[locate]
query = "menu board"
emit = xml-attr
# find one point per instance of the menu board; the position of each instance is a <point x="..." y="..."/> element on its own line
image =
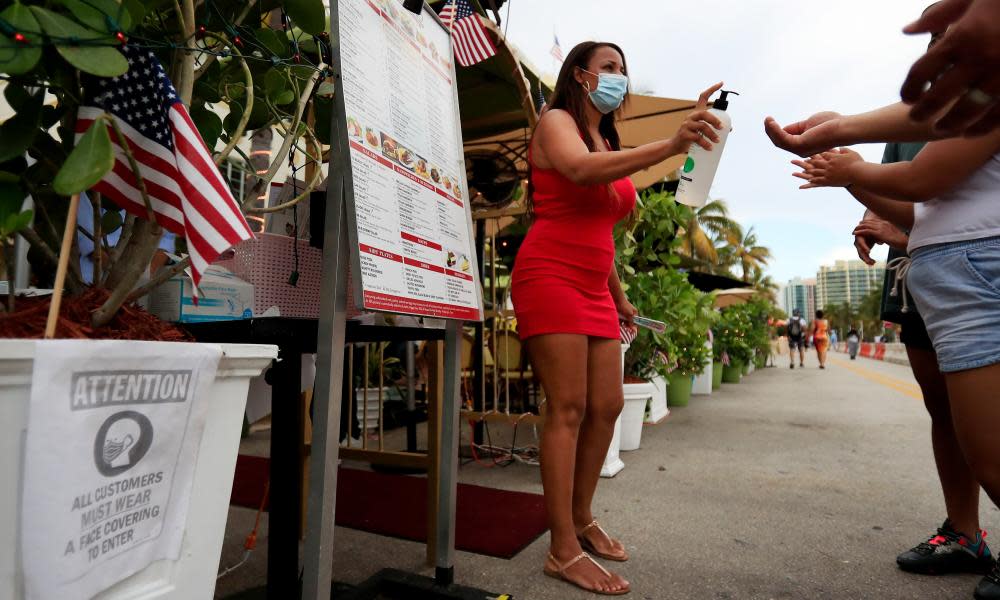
<point x="412" y="225"/>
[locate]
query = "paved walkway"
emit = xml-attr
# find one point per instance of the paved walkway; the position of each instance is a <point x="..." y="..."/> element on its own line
<point x="793" y="484"/>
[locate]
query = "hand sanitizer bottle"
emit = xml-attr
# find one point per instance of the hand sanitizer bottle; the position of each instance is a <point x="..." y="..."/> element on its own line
<point x="700" y="167"/>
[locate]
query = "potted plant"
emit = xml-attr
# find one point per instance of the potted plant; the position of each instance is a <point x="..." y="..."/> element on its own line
<point x="732" y="334"/>
<point x="648" y="258"/>
<point x="263" y="82"/>
<point x="691" y="316"/>
<point x="719" y="360"/>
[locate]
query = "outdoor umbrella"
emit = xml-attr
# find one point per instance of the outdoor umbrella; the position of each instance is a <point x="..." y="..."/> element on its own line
<point x="724" y="298"/>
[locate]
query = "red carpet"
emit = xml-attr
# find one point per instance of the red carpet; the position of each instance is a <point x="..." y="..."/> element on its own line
<point x="493" y="522"/>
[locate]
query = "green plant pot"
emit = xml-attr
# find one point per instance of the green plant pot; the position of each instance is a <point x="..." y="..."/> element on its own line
<point x="717" y="375"/>
<point x="746" y="369"/>
<point x="679" y="392"/>
<point x="732" y="373"/>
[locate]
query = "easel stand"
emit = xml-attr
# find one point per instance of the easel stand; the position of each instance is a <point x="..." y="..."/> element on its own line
<point x="341" y="244"/>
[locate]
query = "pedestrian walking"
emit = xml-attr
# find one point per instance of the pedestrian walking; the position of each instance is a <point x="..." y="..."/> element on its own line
<point x="820" y="333"/>
<point x="796" y="331"/>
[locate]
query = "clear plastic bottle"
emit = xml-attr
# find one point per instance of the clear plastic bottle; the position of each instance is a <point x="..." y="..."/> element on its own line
<point x="699" y="169"/>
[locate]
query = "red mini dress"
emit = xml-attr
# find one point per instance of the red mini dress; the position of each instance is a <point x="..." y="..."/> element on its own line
<point x="560" y="278"/>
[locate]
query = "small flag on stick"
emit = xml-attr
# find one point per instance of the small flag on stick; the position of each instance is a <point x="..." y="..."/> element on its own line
<point x="471" y="40"/>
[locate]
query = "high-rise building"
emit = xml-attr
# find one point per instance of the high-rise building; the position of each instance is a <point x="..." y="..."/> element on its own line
<point x="801" y="294"/>
<point x="847" y="281"/>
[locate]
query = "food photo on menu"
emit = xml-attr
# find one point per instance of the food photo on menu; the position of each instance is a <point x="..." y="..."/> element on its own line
<point x="389" y="147"/>
<point x="371" y="138"/>
<point x="421" y="169"/>
<point x="435" y="175"/>
<point x="353" y="128"/>
<point x="406" y="158"/>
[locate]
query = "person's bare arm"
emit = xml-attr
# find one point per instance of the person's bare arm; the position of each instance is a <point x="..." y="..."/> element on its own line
<point x="964" y="65"/>
<point x="625" y="308"/>
<point x="939" y="167"/>
<point x="559" y="144"/>
<point x="831" y="171"/>
<point x="827" y="130"/>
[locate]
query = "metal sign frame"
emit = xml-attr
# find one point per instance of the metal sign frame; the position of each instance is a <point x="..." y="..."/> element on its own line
<point x="327" y="398"/>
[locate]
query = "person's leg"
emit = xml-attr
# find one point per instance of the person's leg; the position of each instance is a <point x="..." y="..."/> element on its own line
<point x="560" y="362"/>
<point x="974" y="396"/>
<point x="605" y="401"/>
<point x="802" y="354"/>
<point x="961" y="490"/>
<point x="975" y="411"/>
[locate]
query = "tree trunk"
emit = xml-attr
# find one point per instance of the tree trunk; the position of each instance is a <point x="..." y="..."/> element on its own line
<point x="125" y="274"/>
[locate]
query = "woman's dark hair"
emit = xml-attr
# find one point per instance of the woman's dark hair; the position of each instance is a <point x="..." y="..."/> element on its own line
<point x="819" y="314"/>
<point x="570" y="96"/>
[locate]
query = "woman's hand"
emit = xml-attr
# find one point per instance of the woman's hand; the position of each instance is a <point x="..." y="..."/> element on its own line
<point x="829" y="169"/>
<point x="626" y="310"/>
<point x="699" y="127"/>
<point x="882" y="232"/>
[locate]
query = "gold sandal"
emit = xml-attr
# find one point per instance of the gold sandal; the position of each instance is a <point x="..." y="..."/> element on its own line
<point x="558" y="571"/>
<point x="589" y="546"/>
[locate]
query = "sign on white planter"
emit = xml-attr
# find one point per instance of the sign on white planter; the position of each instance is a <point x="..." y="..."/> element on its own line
<point x="113" y="434"/>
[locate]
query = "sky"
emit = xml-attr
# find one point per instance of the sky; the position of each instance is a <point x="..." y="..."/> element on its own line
<point x="787" y="59"/>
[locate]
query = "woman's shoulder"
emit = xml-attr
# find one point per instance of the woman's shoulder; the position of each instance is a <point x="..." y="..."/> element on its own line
<point x="556" y="118"/>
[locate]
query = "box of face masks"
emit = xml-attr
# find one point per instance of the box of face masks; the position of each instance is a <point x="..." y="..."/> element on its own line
<point x="223" y="297"/>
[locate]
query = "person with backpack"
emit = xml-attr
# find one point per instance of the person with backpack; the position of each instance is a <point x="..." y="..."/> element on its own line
<point x="853" y="342"/>
<point x="796" y="338"/>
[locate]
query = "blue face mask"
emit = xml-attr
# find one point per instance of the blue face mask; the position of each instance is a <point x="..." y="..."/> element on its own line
<point x="610" y="92"/>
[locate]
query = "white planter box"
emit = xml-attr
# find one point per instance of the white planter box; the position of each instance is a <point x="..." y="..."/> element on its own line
<point x="194" y="574"/>
<point x="636" y="397"/>
<point x="658" y="403"/>
<point x="612" y="462"/>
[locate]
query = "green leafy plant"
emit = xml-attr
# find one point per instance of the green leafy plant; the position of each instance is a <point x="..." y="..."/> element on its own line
<point x="238" y="59"/>
<point x="378" y="369"/>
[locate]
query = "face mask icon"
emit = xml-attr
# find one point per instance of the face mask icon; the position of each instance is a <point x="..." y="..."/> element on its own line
<point x="115" y="450"/>
<point x="122" y="442"/>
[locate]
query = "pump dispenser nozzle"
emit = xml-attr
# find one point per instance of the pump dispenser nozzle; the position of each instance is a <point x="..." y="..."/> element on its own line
<point x="723" y="102"/>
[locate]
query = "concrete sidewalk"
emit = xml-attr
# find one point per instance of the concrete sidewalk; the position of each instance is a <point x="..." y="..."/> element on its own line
<point x="792" y="484"/>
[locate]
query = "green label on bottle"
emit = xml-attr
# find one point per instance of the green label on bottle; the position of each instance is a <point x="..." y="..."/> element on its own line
<point x="689" y="165"/>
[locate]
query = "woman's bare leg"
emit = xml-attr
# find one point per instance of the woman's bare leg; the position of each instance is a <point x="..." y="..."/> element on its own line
<point x="974" y="396"/>
<point x="605" y="401"/>
<point x="961" y="490"/>
<point x="560" y="362"/>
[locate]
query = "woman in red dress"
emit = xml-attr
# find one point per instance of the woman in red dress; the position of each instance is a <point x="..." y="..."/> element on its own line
<point x="568" y="298"/>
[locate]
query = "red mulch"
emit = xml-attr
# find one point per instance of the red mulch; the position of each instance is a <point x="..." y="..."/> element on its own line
<point x="131" y="322"/>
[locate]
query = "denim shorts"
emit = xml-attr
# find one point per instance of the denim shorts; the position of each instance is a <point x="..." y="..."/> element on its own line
<point x="957" y="288"/>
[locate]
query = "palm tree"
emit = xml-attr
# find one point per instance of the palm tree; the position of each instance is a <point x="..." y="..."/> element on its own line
<point x="744" y="250"/>
<point x="764" y="284"/>
<point x="705" y="225"/>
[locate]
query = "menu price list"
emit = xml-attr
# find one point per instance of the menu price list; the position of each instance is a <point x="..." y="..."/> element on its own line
<point x="412" y="222"/>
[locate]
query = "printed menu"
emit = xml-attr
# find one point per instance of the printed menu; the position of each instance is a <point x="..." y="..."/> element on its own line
<point x="410" y="200"/>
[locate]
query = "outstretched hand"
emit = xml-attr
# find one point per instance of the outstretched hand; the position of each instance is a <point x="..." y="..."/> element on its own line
<point x="964" y="65"/>
<point x="828" y="169"/>
<point x="805" y="138"/>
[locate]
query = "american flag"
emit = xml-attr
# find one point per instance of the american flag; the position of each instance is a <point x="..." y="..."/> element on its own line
<point x="472" y="41"/>
<point x="187" y="192"/>
<point x="556" y="50"/>
<point x="540" y="100"/>
<point x="628" y="332"/>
